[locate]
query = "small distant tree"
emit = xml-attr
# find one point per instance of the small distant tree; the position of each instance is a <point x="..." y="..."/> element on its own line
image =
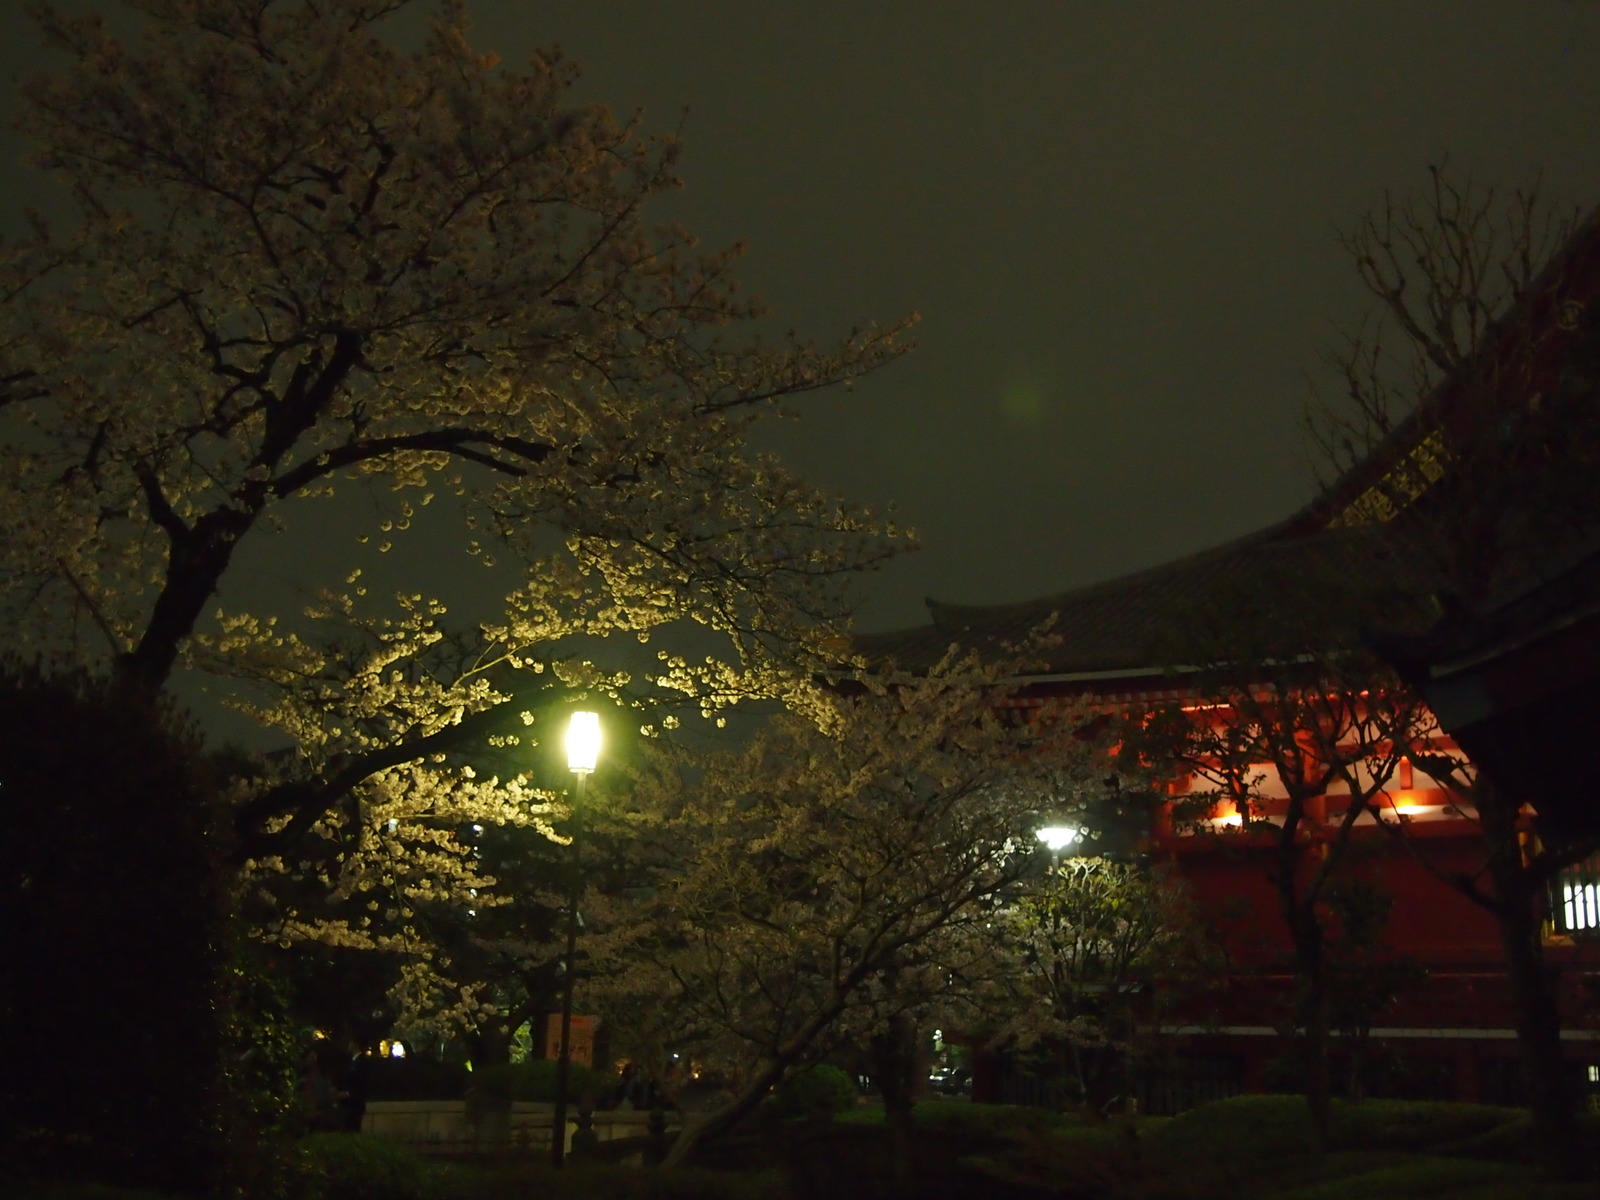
<point x="1089" y="943"/>
<point x="1292" y="737"/>
<point x="1365" y="974"/>
<point x="822" y="885"/>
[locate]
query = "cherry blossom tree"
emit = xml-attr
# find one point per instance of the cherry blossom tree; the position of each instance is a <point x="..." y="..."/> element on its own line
<point x="815" y="886"/>
<point x="1084" y="943"/>
<point x="294" y="261"/>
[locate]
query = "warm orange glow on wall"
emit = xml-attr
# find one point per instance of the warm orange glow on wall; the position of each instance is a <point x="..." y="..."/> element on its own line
<point x="1406" y="801"/>
<point x="1226" y="813"/>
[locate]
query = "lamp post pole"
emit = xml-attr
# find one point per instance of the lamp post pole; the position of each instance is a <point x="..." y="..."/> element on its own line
<point x="583" y="746"/>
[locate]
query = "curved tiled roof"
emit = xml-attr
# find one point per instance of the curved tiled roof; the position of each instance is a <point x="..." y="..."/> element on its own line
<point x="1125" y="625"/>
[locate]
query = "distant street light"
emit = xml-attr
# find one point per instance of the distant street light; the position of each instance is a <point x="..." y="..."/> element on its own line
<point x="583" y="751"/>
<point x="1057" y="838"/>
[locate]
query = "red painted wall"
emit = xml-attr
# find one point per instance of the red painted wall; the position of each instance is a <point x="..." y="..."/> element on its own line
<point x="1429" y="920"/>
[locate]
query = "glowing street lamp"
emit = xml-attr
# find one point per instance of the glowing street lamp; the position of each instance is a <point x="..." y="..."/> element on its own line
<point x="1057" y="838"/>
<point x="583" y="751"/>
<point x="583" y="745"/>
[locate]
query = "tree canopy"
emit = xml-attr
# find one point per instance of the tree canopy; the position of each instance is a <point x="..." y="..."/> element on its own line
<point x="295" y="259"/>
<point x="295" y="255"/>
<point x="808" y="889"/>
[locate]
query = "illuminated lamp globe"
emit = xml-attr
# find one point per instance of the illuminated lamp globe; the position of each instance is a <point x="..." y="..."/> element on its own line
<point x="583" y="742"/>
<point x="1057" y="837"/>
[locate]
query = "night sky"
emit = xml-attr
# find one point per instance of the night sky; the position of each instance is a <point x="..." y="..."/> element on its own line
<point x="1118" y="221"/>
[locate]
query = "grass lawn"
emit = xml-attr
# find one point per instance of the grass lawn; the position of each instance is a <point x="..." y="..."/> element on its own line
<point x="1245" y="1148"/>
<point x="1253" y="1146"/>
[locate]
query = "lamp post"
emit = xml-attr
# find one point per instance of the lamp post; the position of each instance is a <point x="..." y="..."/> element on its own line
<point x="583" y="748"/>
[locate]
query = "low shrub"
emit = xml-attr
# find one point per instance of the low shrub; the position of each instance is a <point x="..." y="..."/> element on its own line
<point x="1237" y="1131"/>
<point x="1404" y="1150"/>
<point x="1413" y="1125"/>
<point x="990" y="1120"/>
<point x="115" y="902"/>
<point x="822" y="1088"/>
<point x="1512" y="1140"/>
<point x="1088" y="1160"/>
<point x="598" y="1182"/>
<point x="1457" y="1179"/>
<point x="364" y="1166"/>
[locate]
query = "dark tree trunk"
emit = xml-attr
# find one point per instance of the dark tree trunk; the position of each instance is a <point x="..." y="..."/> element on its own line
<point x="197" y="561"/>
<point x="1314" y="1021"/>
<point x="1355" y="1082"/>
<point x="1551" y="1102"/>
<point x="199" y="555"/>
<point x="491" y="1044"/>
<point x="1311" y="972"/>
<point x="724" y="1119"/>
<point x="894" y="1061"/>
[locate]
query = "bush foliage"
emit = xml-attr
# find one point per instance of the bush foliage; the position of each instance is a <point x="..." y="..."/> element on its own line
<point x="114" y="894"/>
<point x="363" y="1166"/>
<point x="822" y="1088"/>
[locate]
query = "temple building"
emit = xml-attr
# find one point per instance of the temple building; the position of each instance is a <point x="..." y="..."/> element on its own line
<point x="1466" y="562"/>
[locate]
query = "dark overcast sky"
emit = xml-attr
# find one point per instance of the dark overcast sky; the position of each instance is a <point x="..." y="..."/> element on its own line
<point x="1117" y="219"/>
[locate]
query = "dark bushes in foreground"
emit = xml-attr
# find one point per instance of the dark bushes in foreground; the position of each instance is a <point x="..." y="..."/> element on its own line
<point x="114" y="937"/>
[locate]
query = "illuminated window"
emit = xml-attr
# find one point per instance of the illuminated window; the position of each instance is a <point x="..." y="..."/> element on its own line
<point x="1575" y="899"/>
<point x="1579" y="903"/>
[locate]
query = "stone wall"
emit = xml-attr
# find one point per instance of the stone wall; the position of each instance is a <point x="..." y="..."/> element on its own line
<point x="443" y="1127"/>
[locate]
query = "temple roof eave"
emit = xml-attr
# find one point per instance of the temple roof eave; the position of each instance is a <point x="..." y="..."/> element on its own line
<point x="1123" y="628"/>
